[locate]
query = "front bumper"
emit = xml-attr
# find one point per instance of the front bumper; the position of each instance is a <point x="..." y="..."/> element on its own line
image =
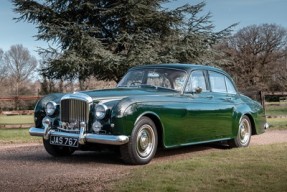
<point x="83" y="137"/>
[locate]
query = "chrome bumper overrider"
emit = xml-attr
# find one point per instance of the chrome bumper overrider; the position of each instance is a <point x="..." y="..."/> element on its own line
<point x="83" y="137"/>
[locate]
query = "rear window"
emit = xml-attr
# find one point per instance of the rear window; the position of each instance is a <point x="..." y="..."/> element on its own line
<point x="220" y="83"/>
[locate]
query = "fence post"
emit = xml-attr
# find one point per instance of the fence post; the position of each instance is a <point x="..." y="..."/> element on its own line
<point x="262" y="99"/>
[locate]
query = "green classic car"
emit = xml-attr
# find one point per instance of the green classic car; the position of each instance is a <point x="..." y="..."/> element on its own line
<point x="166" y="105"/>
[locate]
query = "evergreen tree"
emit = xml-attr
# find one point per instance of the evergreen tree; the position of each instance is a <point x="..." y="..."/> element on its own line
<point x="103" y="38"/>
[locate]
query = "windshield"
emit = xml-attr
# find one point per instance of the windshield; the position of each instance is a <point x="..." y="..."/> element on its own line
<point x="157" y="77"/>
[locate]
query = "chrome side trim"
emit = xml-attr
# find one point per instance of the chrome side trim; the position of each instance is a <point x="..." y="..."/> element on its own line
<point x="89" y="138"/>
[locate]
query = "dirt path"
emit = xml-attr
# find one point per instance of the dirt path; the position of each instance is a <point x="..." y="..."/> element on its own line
<point x="270" y="137"/>
<point x="27" y="167"/>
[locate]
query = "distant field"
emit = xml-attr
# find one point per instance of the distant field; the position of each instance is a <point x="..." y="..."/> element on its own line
<point x="16" y="119"/>
<point x="277" y="123"/>
<point x="276" y="109"/>
<point x="17" y="136"/>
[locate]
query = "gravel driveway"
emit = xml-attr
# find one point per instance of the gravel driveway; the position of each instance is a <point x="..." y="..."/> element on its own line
<point x="27" y="167"/>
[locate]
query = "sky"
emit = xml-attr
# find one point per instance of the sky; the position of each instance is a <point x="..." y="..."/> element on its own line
<point x="224" y="13"/>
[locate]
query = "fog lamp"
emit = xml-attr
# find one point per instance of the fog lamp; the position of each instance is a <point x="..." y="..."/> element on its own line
<point x="97" y="126"/>
<point x="46" y="121"/>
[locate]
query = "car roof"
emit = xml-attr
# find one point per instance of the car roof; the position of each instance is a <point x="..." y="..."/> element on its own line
<point x="181" y="66"/>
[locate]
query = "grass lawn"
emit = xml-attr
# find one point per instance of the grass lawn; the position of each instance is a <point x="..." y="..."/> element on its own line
<point x="16" y="119"/>
<point x="17" y="136"/>
<point x="21" y="135"/>
<point x="257" y="168"/>
<point x="277" y="123"/>
<point x="276" y="109"/>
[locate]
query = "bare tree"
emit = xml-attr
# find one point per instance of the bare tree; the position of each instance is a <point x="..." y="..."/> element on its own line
<point x="257" y="55"/>
<point x="2" y="68"/>
<point x="20" y="65"/>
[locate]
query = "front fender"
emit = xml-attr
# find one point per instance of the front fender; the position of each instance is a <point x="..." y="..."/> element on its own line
<point x="123" y="117"/>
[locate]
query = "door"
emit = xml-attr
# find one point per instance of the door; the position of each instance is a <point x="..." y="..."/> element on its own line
<point x="225" y="98"/>
<point x="210" y="107"/>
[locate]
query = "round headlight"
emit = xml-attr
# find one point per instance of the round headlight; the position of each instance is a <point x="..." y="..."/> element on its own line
<point x="50" y="108"/>
<point x="101" y="111"/>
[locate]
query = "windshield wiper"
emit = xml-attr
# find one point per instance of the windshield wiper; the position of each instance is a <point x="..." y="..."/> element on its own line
<point x="149" y="86"/>
<point x="157" y="87"/>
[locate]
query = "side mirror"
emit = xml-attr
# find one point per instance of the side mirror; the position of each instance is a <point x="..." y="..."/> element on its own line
<point x="198" y="90"/>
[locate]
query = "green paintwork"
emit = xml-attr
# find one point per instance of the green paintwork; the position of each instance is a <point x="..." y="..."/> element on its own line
<point x="188" y="119"/>
<point x="181" y="119"/>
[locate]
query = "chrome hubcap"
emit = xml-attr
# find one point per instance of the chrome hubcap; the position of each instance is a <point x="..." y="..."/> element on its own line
<point x="145" y="141"/>
<point x="244" y="131"/>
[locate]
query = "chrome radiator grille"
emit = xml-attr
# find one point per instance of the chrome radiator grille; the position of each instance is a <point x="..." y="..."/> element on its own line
<point x="73" y="112"/>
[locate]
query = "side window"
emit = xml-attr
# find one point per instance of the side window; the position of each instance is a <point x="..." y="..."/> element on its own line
<point x="196" y="80"/>
<point x="217" y="82"/>
<point x="230" y="87"/>
<point x="179" y="81"/>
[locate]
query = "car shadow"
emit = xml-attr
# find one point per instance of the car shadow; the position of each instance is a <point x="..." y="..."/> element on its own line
<point x="162" y="153"/>
<point x="39" y="155"/>
<point x="113" y="157"/>
<point x="82" y="157"/>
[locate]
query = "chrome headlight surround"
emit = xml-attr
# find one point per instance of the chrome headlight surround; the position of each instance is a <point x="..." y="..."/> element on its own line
<point x="50" y="108"/>
<point x="100" y="111"/>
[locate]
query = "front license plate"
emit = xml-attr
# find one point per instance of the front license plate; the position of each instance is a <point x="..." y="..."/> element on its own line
<point x="64" y="141"/>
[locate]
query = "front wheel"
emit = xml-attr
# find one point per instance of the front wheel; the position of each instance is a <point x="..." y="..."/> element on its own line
<point x="57" y="151"/>
<point x="143" y="143"/>
<point x="244" y="133"/>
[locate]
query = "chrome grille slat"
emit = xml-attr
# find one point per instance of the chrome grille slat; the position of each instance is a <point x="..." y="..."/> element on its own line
<point x="74" y="110"/>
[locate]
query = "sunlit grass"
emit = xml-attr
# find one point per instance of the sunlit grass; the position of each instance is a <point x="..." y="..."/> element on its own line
<point x="276" y="109"/>
<point x="258" y="168"/>
<point x="16" y="119"/>
<point x="17" y="136"/>
<point x="277" y="123"/>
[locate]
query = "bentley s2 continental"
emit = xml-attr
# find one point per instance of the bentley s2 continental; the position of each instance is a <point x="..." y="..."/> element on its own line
<point x="168" y="105"/>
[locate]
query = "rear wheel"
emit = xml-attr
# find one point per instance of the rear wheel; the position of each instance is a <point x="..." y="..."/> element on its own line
<point x="143" y="143"/>
<point x="57" y="151"/>
<point x="244" y="133"/>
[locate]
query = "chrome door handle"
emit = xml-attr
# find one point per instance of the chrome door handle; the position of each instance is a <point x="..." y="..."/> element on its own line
<point x="228" y="99"/>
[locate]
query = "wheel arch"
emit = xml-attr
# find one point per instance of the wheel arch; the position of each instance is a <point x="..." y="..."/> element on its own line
<point x="158" y="125"/>
<point x="251" y="119"/>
